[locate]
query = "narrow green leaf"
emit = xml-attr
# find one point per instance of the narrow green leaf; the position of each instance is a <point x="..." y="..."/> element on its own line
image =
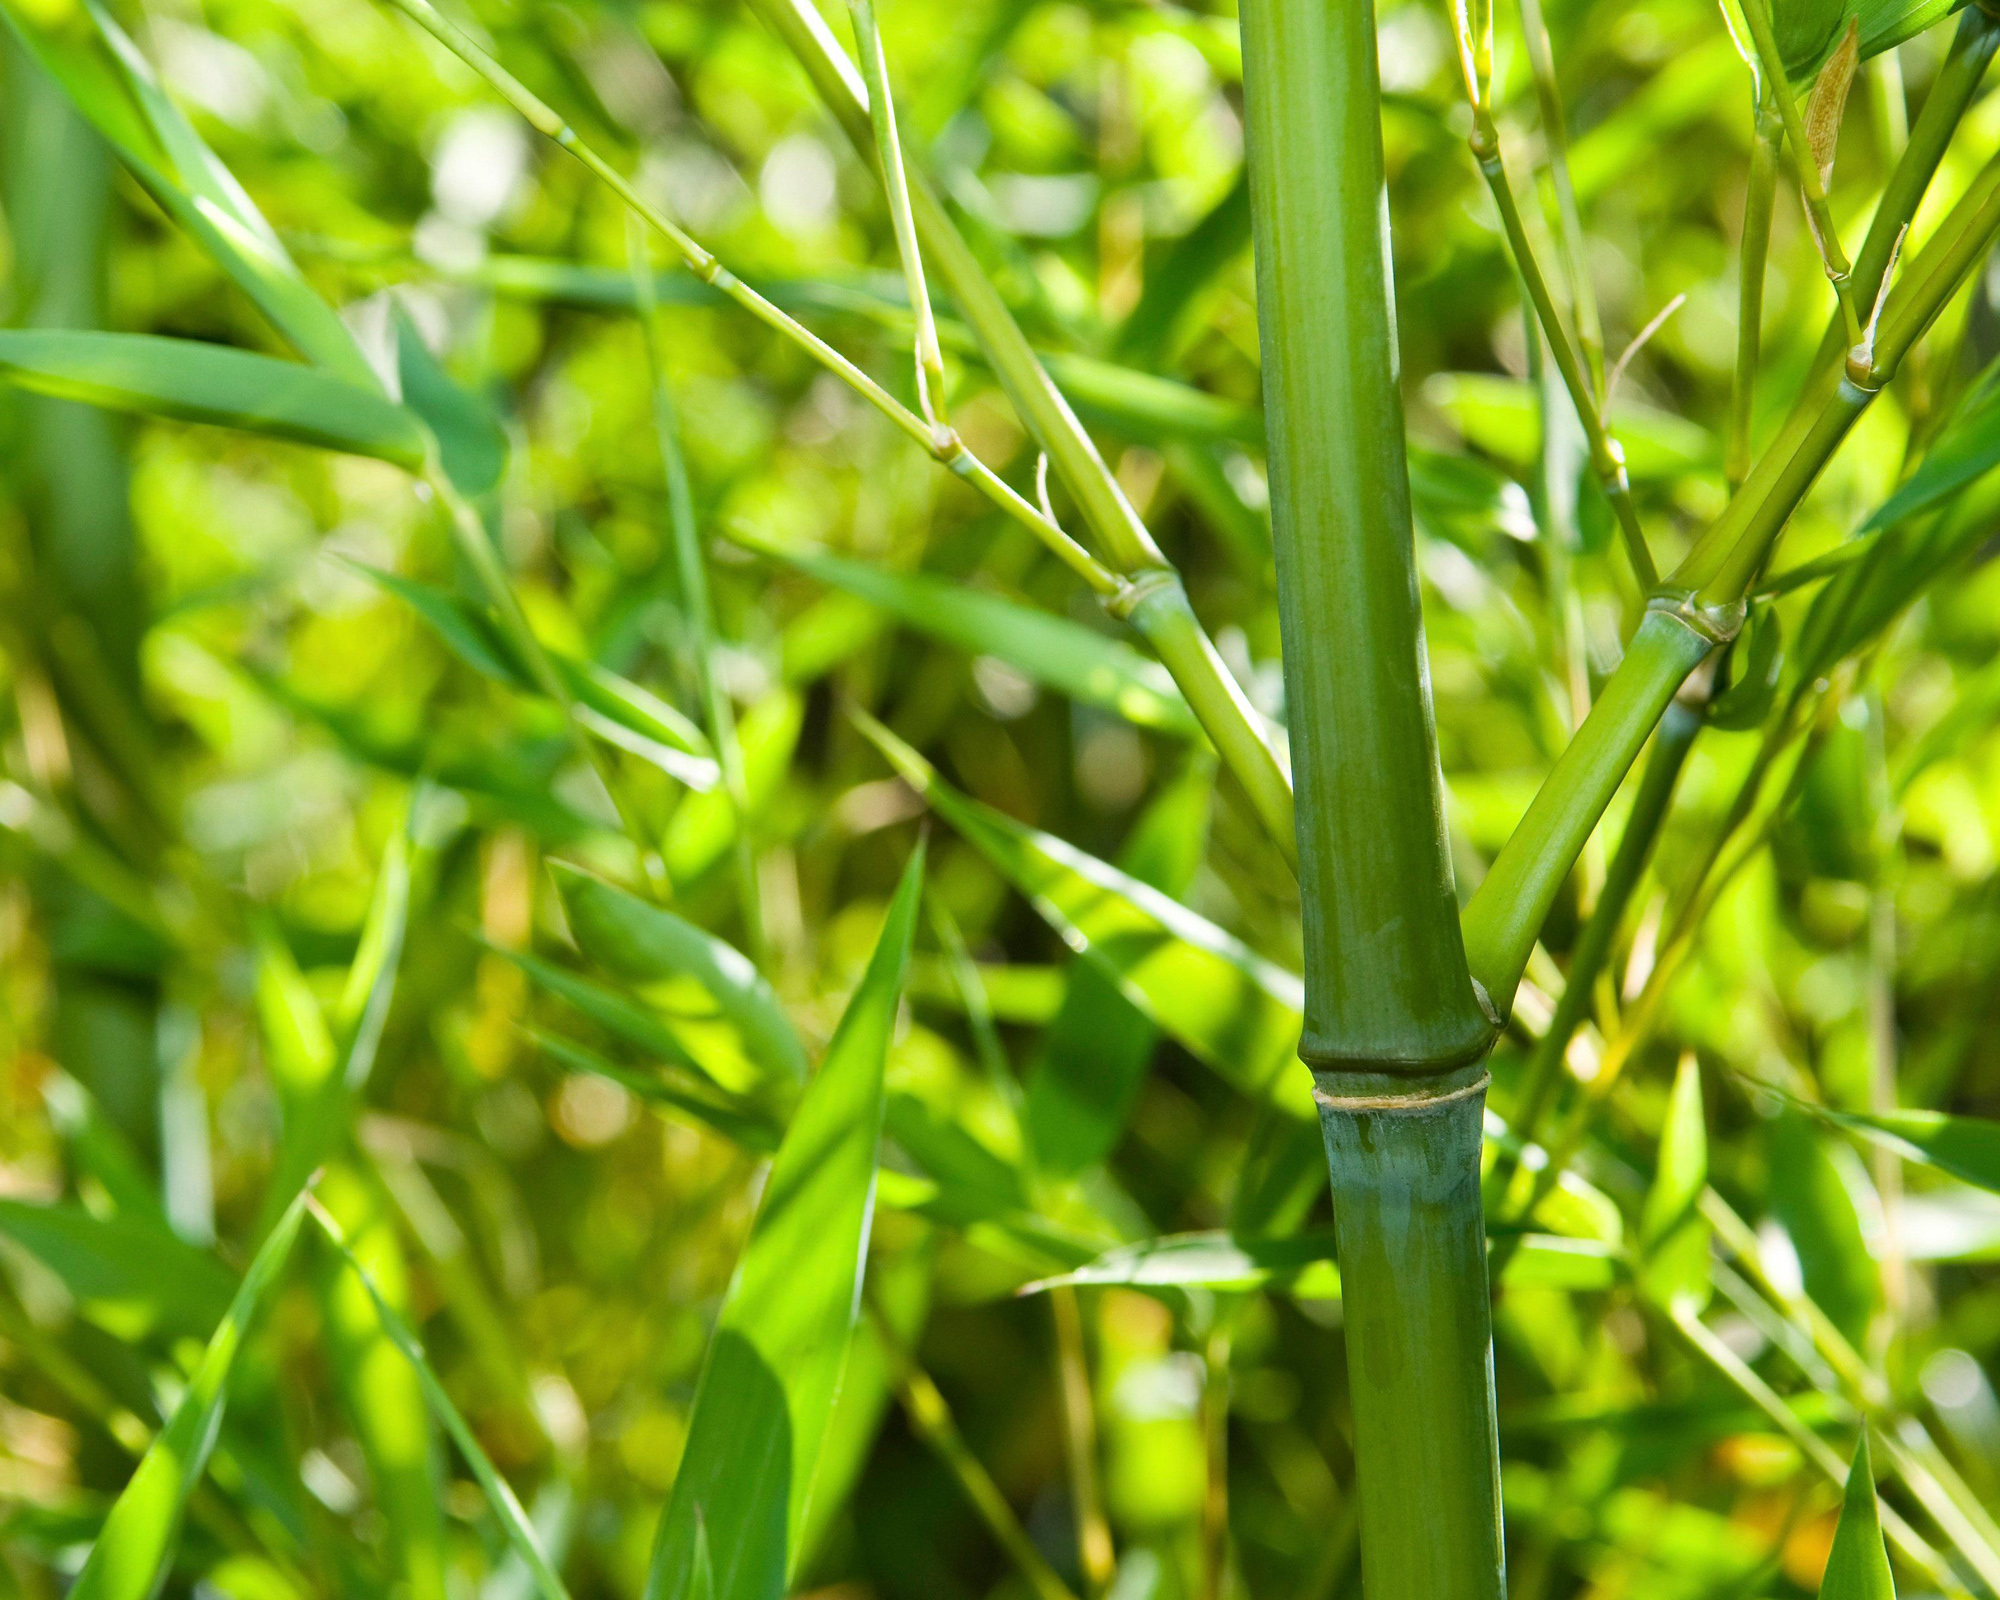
<point x="704" y="825"/>
<point x="514" y="1521"/>
<point x="117" y="91"/>
<point x="196" y="382"/>
<point x="774" y="1362"/>
<point x="1302" y="1265"/>
<point x="737" y="1121"/>
<point x="1673" y="1235"/>
<point x="1965" y="448"/>
<point x="1093" y="1056"/>
<point x="643" y="943"/>
<point x="1966" y="1147"/>
<point x="1857" y="1568"/>
<point x="130" y="1558"/>
<point x="472" y="446"/>
<point x="1059" y="654"/>
<point x="1233" y="1009"/>
<point x="615" y="709"/>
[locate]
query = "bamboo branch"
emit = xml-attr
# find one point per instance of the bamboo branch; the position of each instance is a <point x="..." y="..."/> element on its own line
<point x="946" y="447"/>
<point x="1754" y="255"/>
<point x="1607" y="456"/>
<point x="1240" y="737"/>
<point x="697" y="608"/>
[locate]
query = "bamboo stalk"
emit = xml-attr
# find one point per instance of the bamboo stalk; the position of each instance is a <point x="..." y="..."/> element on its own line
<point x="1393" y="1028"/>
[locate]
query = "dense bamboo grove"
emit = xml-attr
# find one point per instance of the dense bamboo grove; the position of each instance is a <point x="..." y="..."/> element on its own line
<point x="1079" y="802"/>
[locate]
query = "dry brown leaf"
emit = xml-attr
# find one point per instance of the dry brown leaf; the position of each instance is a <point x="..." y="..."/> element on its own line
<point x="1829" y="101"/>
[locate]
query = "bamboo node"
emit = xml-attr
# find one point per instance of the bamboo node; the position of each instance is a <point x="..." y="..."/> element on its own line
<point x="1414" y="1101"/>
<point x="1717" y="623"/>
<point x="1135" y="593"/>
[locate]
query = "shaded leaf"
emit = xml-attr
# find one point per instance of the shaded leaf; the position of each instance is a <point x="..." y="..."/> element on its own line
<point x="129" y="1271"/>
<point x="1673" y="1235"/>
<point x="196" y="382"/>
<point x="1817" y="1190"/>
<point x="644" y="943"/>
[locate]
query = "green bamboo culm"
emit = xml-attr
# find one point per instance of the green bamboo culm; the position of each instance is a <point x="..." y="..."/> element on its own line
<point x="1394" y="1029"/>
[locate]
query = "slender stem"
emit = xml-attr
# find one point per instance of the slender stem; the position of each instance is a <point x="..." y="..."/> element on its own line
<point x="1215" y="1430"/>
<point x="1815" y="1449"/>
<point x="697" y="607"/>
<point x="896" y="185"/>
<point x="1702" y="604"/>
<point x="1570" y="242"/>
<point x="1593" y="950"/>
<point x="1757" y="14"/>
<point x="1607" y="457"/>
<point x="943" y="444"/>
<point x="1231" y="724"/>
<point x="1756" y="249"/>
<point x="1096" y="1556"/>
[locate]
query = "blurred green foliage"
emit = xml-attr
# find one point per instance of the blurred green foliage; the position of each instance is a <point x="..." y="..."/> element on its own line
<point x="249" y="682"/>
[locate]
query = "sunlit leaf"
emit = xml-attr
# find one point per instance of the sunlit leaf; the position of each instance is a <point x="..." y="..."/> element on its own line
<point x="774" y="1360"/>
<point x="131" y="1556"/>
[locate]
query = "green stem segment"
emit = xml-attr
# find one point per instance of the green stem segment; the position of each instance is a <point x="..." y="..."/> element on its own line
<point x="1758" y="200"/>
<point x="1412" y="1245"/>
<point x="1393" y="1030"/>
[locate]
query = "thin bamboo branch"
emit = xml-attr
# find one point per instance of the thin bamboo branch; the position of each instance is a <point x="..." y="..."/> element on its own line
<point x="1607" y="456"/>
<point x="697" y="608"/>
<point x="1702" y="605"/>
<point x="931" y="1416"/>
<point x="1096" y="1557"/>
<point x="1247" y="747"/>
<point x="1571" y="245"/>
<point x="946" y="447"/>
<point x="1758" y="198"/>
<point x="1757" y="14"/>
<point x="896" y="186"/>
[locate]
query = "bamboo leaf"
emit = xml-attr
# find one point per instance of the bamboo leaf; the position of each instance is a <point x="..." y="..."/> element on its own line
<point x="472" y="446"/>
<point x="1673" y="1235"/>
<point x="1857" y="1568"/>
<point x="1302" y="1265"/>
<point x="643" y="943"/>
<point x="704" y="825"/>
<point x="1966" y="1147"/>
<point x="738" y="1121"/>
<point x="1061" y="655"/>
<point x="1095" y="1051"/>
<point x="1233" y="1009"/>
<point x="130" y="1558"/>
<point x="116" y="90"/>
<point x="1818" y="1188"/>
<point x="614" y="708"/>
<point x="774" y="1361"/>
<point x="1965" y="448"/>
<point x="514" y="1523"/>
<point x="128" y="1271"/>
<point x="195" y="382"/>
